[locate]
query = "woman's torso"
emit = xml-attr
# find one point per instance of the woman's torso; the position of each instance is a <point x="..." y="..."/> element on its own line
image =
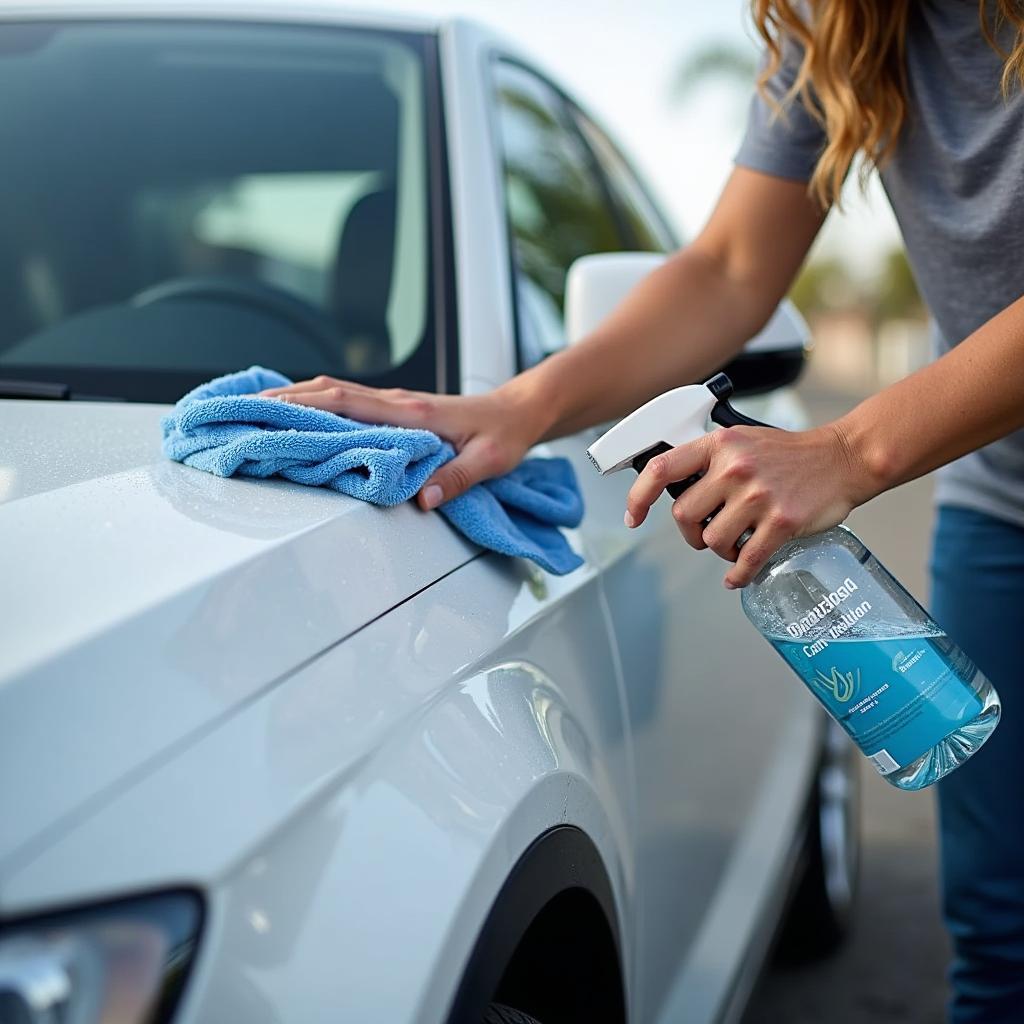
<point x="956" y="184"/>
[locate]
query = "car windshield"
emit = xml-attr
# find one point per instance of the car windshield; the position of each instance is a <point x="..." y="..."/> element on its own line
<point x="184" y="199"/>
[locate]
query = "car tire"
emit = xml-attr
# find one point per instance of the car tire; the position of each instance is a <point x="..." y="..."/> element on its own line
<point x="496" y="1013"/>
<point x="820" y="913"/>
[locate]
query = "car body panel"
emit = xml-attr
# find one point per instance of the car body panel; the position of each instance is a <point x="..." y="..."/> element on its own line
<point x="390" y="771"/>
<point x="716" y="724"/>
<point x="135" y="625"/>
<point x="721" y="740"/>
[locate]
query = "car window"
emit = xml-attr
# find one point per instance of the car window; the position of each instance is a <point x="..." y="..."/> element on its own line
<point x="186" y="199"/>
<point x="557" y="206"/>
<point x="650" y="231"/>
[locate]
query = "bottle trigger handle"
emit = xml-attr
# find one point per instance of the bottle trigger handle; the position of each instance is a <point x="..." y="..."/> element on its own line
<point x="723" y="413"/>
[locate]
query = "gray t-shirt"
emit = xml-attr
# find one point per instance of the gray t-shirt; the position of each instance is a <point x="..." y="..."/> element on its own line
<point x="956" y="185"/>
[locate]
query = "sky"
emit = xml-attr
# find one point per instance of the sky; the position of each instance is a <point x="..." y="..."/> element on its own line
<point x="619" y="59"/>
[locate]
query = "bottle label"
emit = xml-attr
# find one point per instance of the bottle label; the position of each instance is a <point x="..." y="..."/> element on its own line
<point x="897" y="698"/>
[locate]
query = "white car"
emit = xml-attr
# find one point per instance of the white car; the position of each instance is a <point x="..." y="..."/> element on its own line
<point x="271" y="754"/>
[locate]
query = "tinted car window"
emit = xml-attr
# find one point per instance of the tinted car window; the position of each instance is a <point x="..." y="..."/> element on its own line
<point x="182" y="200"/>
<point x="558" y="208"/>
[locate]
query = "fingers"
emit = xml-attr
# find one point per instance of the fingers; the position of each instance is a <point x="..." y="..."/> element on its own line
<point x="729" y="501"/>
<point x="459" y="420"/>
<point x="478" y="460"/>
<point x="677" y="464"/>
<point x="728" y="525"/>
<point x="763" y="485"/>
<point x="694" y="506"/>
<point x="767" y="538"/>
<point x="321" y="383"/>
<point x="358" y="402"/>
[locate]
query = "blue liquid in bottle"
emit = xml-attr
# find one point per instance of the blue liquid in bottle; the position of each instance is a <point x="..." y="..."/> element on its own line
<point x="907" y="695"/>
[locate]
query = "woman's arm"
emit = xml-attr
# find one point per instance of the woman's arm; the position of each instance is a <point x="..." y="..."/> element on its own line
<point x="689" y="316"/>
<point x="971" y="396"/>
<point x="785" y="485"/>
<point x="684" y="320"/>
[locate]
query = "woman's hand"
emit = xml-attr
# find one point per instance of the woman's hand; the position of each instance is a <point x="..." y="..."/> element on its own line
<point x="491" y="433"/>
<point x="777" y="484"/>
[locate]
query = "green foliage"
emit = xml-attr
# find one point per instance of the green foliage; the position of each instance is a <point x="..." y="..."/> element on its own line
<point x="822" y="284"/>
<point x="897" y="296"/>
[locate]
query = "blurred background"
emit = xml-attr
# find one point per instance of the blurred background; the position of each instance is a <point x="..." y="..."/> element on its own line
<point x="672" y="79"/>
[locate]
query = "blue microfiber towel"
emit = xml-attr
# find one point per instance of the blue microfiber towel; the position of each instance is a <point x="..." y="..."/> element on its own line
<point x="223" y="427"/>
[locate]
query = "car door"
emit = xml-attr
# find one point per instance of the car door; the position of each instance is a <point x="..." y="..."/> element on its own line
<point x="707" y="705"/>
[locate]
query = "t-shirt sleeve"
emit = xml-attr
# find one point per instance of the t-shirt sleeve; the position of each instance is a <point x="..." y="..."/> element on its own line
<point x="785" y="143"/>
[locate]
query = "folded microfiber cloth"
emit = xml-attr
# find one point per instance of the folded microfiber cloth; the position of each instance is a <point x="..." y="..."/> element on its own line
<point x="223" y="427"/>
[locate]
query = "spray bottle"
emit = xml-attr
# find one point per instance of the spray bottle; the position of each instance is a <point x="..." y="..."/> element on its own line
<point x="908" y="696"/>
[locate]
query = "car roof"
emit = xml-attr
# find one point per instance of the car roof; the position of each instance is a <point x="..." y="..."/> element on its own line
<point x="283" y="11"/>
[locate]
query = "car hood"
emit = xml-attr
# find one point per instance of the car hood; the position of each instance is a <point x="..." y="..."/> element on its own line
<point x="141" y="602"/>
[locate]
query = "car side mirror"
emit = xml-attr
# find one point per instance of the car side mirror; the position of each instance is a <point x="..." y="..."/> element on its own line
<point x="596" y="284"/>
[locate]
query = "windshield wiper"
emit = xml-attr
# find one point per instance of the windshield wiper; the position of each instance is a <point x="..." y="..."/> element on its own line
<point x="54" y="390"/>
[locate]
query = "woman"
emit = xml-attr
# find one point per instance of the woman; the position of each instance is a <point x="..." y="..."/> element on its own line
<point x="929" y="91"/>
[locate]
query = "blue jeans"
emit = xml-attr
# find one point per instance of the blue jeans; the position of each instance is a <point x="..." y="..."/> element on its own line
<point x="978" y="598"/>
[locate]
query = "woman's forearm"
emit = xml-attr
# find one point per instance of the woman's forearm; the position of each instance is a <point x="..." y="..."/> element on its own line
<point x="681" y="322"/>
<point x="971" y="396"/>
<point x="685" y="319"/>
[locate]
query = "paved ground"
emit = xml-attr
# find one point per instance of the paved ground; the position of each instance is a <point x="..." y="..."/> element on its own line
<point x="892" y="969"/>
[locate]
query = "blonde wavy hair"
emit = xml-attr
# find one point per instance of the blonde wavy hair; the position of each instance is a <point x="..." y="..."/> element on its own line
<point x="853" y="76"/>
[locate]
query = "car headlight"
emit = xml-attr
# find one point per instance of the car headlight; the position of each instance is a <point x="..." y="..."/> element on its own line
<point x="115" y="963"/>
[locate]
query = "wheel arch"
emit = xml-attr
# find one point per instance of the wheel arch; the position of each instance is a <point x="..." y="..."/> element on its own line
<point x="557" y="899"/>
